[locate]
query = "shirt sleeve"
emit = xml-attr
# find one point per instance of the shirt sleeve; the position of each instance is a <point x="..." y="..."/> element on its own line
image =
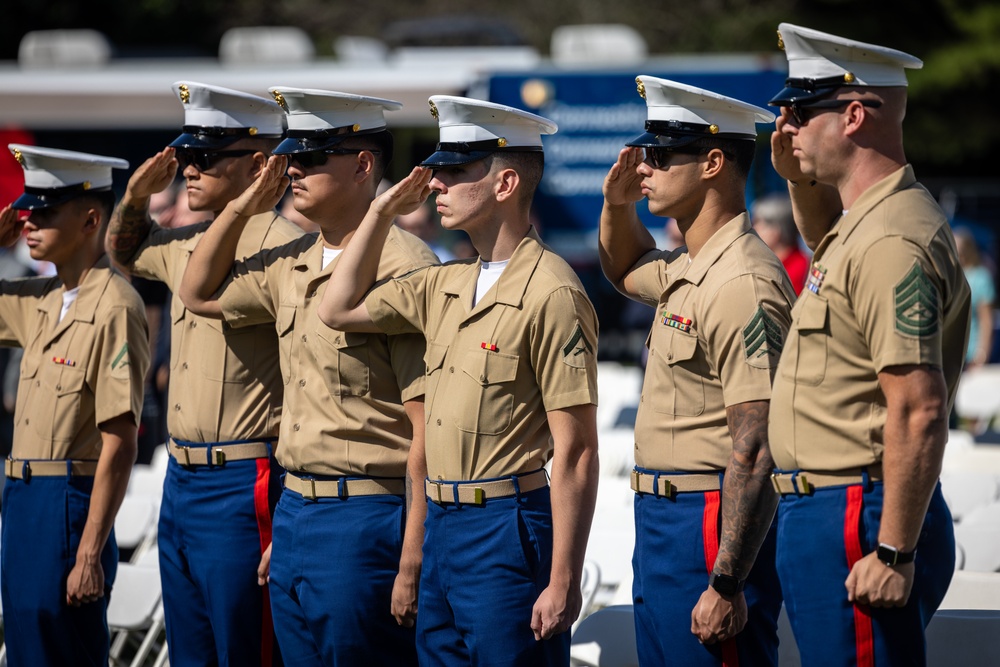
<point x="747" y="322"/>
<point x="564" y="349"/>
<point x="18" y="301"/>
<point x="399" y="305"/>
<point x="156" y="258"/>
<point x="246" y="298"/>
<point x="648" y="277"/>
<point x="406" y="354"/>
<point x="897" y="299"/>
<point x="122" y="359"/>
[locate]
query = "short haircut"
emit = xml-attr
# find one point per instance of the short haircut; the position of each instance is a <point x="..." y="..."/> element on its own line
<point x="529" y="167"/>
<point x="103" y="201"/>
<point x="739" y="151"/>
<point x="380" y="142"/>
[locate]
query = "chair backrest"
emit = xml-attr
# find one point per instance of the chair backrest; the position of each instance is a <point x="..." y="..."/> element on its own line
<point x="607" y="636"/>
<point x="963" y="637"/>
<point x="589" y="583"/>
<point x="973" y="590"/>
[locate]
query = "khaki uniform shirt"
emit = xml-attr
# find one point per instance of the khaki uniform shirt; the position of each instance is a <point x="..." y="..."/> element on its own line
<point x="720" y="324"/>
<point x="224" y="383"/>
<point x="885" y="289"/>
<point x="343" y="391"/>
<point x="80" y="372"/>
<point x="493" y="370"/>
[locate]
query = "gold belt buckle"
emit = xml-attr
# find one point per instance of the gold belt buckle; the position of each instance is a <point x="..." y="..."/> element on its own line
<point x="804" y="485"/>
<point x="437" y="485"/>
<point x="187" y="454"/>
<point x="480" y="496"/>
<point x="220" y="456"/>
<point x="775" y="484"/>
<point x="312" y="489"/>
<point x="666" y="488"/>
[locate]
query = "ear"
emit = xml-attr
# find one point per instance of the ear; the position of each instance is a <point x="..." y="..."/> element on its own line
<point x="92" y="223"/>
<point x="854" y="117"/>
<point x="715" y="159"/>
<point x="365" y="166"/>
<point x="259" y="161"/>
<point x="506" y="184"/>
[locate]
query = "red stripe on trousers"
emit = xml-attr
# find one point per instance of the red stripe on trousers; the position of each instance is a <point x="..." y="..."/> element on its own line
<point x="710" y="535"/>
<point x="262" y="507"/>
<point x="863" y="637"/>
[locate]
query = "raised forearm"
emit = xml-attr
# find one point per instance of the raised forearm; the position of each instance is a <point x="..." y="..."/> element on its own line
<point x="211" y="262"/>
<point x="129" y="226"/>
<point x="748" y="500"/>
<point x="623" y="239"/>
<point x="815" y="207"/>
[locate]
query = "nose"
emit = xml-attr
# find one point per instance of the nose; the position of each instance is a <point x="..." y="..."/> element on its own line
<point x="643" y="169"/>
<point x="190" y="171"/>
<point x="436" y="185"/>
<point x="294" y="168"/>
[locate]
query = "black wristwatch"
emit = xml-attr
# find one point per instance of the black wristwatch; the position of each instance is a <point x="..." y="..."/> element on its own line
<point x="725" y="584"/>
<point x="892" y="556"/>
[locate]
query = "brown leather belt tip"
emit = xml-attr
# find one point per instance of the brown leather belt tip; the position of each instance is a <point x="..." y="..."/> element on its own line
<point x="803" y="483"/>
<point x="215" y="455"/>
<point x="669" y="484"/>
<point x="344" y="487"/>
<point x="23" y="469"/>
<point x="477" y="493"/>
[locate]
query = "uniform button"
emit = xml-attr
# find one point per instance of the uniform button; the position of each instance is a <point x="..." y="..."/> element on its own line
<point x="304" y="338"/>
<point x="337" y="340"/>
<point x="451" y="370"/>
<point x="184" y="365"/>
<point x="193" y="324"/>
<point x="482" y="378"/>
<point x="58" y="387"/>
<point x="38" y="383"/>
<point x="26" y="421"/>
<point x="439" y="422"/>
<point x="177" y="407"/>
<point x="296" y="427"/>
<point x="302" y="383"/>
<point x="670" y="355"/>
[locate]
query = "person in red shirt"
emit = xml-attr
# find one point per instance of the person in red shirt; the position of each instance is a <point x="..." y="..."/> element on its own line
<point x="771" y="216"/>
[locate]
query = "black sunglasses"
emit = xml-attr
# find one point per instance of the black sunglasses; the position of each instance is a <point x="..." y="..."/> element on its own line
<point x="310" y="159"/>
<point x="205" y="160"/>
<point x="802" y="112"/>
<point x="658" y="156"/>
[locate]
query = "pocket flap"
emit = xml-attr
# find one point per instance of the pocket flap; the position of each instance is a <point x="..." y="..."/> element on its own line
<point x="486" y="367"/>
<point x="285" y="319"/>
<point x="434" y="356"/>
<point x="813" y="314"/>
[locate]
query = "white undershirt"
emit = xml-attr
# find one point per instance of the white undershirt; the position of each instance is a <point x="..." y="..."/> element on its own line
<point x="330" y="254"/>
<point x="69" y="296"/>
<point x="489" y="274"/>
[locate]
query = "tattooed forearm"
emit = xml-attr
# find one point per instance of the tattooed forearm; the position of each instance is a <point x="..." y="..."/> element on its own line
<point x="129" y="226"/>
<point x="748" y="500"/>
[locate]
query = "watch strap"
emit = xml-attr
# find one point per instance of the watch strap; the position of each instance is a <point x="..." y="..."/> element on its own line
<point x="725" y="584"/>
<point x="892" y="556"/>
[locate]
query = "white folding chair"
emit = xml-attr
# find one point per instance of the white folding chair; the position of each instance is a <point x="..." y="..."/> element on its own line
<point x="966" y="490"/>
<point x="977" y="400"/>
<point x="606" y="638"/>
<point x="979" y="535"/>
<point x="135" y="613"/>
<point x="590" y="582"/>
<point x="964" y="637"/>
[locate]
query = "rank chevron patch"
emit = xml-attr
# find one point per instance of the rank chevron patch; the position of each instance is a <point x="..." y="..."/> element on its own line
<point x="916" y="301"/>
<point x="761" y="337"/>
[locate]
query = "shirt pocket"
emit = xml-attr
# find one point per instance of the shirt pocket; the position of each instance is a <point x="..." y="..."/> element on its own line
<point x="350" y="377"/>
<point x="284" y="325"/>
<point x="67" y="419"/>
<point x="678" y="378"/>
<point x="434" y="355"/>
<point x="486" y="403"/>
<point x="27" y="390"/>
<point x="806" y="348"/>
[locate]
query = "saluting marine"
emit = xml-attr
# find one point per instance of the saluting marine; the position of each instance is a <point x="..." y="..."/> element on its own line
<point x="869" y="371"/>
<point x="225" y="388"/>
<point x="704" y="504"/>
<point x="86" y="353"/>
<point x="511" y="387"/>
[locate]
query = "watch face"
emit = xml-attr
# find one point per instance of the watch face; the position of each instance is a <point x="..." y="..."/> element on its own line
<point x="725" y="584"/>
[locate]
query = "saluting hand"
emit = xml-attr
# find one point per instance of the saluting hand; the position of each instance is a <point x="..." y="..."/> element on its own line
<point x="85" y="583"/>
<point x="716" y="618"/>
<point x="153" y="175"/>
<point x="406" y="196"/>
<point x="11" y="225"/>
<point x="873" y="583"/>
<point x="622" y="185"/>
<point x="266" y="191"/>
<point x="784" y="161"/>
